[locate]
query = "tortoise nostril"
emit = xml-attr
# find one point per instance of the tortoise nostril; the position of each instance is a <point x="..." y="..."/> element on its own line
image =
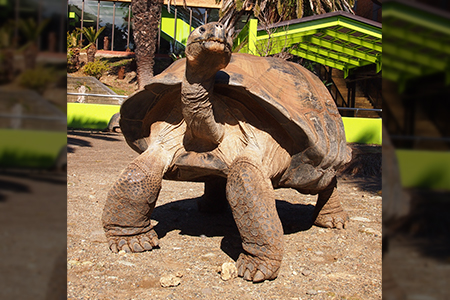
<point x="219" y="26"/>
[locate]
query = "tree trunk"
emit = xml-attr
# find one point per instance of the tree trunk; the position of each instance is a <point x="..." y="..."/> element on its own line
<point x="30" y="56"/>
<point x="146" y="17"/>
<point x="90" y="52"/>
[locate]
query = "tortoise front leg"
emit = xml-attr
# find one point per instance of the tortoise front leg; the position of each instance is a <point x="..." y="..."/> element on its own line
<point x="252" y="202"/>
<point x="130" y="202"/>
<point x="328" y="211"/>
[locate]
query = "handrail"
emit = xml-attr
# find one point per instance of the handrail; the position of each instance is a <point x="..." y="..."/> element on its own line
<point x="360" y="109"/>
<point x="97" y="95"/>
<point x="46" y="118"/>
<point x="337" y="92"/>
<point x="420" y="138"/>
<point x="373" y="93"/>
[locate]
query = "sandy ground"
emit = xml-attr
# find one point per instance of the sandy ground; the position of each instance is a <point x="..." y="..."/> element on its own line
<point x="318" y="263"/>
<point x="33" y="234"/>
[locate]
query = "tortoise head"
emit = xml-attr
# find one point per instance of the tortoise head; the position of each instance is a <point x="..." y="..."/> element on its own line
<point x="208" y="48"/>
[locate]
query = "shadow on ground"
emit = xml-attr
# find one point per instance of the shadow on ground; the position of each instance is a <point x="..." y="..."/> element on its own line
<point x="183" y="215"/>
<point x="78" y="141"/>
<point x="428" y="224"/>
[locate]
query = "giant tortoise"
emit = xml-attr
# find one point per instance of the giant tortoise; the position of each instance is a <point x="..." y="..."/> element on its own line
<point x="242" y="124"/>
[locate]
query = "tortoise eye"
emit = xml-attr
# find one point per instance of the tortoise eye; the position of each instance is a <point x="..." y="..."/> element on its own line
<point x="202" y="29"/>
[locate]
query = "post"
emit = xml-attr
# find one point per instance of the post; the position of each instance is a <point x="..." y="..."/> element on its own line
<point x="82" y="17"/>
<point x="114" y="20"/>
<point x="190" y="20"/>
<point x="98" y="19"/>
<point x="129" y="27"/>
<point x="159" y="32"/>
<point x="252" y="34"/>
<point x="175" y="30"/>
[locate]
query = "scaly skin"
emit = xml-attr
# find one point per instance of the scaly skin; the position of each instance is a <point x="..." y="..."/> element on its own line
<point x="328" y="211"/>
<point x="252" y="202"/>
<point x="130" y="202"/>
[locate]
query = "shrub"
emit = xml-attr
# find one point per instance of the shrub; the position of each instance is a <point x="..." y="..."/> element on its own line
<point x="96" y="68"/>
<point x="36" y="79"/>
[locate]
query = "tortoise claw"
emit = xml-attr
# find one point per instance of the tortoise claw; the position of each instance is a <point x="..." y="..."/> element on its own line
<point x="135" y="243"/>
<point x="247" y="275"/>
<point x="259" y="276"/>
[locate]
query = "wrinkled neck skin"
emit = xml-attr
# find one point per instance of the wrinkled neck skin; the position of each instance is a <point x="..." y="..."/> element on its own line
<point x="197" y="92"/>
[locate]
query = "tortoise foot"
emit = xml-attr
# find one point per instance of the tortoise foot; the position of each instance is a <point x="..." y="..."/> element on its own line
<point x="134" y="243"/>
<point x="337" y="220"/>
<point x="329" y="212"/>
<point x="257" y="269"/>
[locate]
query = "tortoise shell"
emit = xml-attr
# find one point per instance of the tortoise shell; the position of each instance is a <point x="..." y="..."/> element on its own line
<point x="296" y="99"/>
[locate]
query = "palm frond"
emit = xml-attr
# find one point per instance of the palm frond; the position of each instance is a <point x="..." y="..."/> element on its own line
<point x="91" y="34"/>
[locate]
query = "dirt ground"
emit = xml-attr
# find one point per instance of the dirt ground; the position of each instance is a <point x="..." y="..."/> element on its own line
<point x="318" y="263"/>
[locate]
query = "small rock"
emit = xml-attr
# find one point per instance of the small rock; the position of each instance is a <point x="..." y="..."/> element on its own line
<point x="306" y="272"/>
<point x="126" y="263"/>
<point x="87" y="263"/>
<point x="122" y="252"/>
<point x="179" y="274"/>
<point x="294" y="273"/>
<point x="229" y="271"/>
<point x="319" y="253"/>
<point x="169" y="280"/>
<point x="311" y="292"/>
<point x="371" y="231"/>
<point x="210" y="254"/>
<point x="361" y="219"/>
<point x="73" y="262"/>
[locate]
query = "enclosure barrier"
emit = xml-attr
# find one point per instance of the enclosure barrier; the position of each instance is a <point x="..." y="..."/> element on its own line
<point x="97" y="116"/>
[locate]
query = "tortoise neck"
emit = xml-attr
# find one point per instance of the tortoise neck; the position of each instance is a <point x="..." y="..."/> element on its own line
<point x="197" y="97"/>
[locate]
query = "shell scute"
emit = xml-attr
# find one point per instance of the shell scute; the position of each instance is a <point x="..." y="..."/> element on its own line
<point x="295" y="98"/>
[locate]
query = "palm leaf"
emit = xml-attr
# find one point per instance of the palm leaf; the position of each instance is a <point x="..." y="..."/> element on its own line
<point x="91" y="34"/>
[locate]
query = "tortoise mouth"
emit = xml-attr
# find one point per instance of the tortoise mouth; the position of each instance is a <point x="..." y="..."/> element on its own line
<point x="215" y="44"/>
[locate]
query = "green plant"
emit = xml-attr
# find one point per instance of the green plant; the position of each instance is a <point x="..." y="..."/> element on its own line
<point x="91" y="35"/>
<point x="73" y="50"/>
<point x="73" y="38"/>
<point x="31" y="31"/>
<point x="36" y="79"/>
<point x="122" y="62"/>
<point x="96" y="68"/>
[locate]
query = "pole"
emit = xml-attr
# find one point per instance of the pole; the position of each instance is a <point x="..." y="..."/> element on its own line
<point x="82" y="18"/>
<point x="114" y="20"/>
<point x="98" y="19"/>
<point x="175" y="30"/>
<point x="190" y="19"/>
<point x="129" y="25"/>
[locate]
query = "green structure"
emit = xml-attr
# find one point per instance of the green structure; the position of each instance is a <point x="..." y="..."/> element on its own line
<point x="417" y="42"/>
<point x="339" y="40"/>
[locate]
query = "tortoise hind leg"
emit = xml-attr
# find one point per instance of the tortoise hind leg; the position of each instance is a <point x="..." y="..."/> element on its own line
<point x="329" y="212"/>
<point x="130" y="202"/>
<point x="214" y="200"/>
<point x="252" y="201"/>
